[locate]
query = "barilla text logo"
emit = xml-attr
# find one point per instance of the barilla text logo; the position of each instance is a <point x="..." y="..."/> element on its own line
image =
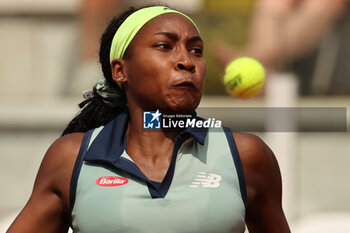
<point x="111" y="181"/>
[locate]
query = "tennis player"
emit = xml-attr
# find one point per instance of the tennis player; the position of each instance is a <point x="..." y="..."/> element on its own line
<point x="109" y="174"/>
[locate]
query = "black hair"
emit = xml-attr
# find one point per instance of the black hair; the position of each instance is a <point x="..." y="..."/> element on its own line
<point x="95" y="112"/>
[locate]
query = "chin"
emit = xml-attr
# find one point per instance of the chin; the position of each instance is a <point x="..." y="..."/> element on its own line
<point x="183" y="105"/>
<point x="181" y="100"/>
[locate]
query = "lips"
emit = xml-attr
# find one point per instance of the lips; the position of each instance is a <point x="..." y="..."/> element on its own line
<point x="184" y="84"/>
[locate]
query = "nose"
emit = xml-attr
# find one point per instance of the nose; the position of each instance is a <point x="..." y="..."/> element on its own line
<point x="184" y="62"/>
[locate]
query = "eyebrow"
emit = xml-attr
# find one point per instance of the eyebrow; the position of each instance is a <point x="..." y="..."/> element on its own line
<point x="174" y="36"/>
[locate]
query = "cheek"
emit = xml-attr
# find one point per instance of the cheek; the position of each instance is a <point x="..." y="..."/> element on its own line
<point x="202" y="73"/>
<point x="147" y="81"/>
<point x="139" y="74"/>
<point x="148" y="68"/>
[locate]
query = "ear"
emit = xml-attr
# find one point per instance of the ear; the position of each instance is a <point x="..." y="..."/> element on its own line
<point x="118" y="71"/>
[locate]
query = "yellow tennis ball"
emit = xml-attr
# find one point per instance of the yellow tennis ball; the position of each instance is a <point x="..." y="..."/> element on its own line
<point x="244" y="77"/>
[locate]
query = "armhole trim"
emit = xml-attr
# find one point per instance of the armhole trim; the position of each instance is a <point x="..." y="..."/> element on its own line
<point x="76" y="171"/>
<point x="238" y="164"/>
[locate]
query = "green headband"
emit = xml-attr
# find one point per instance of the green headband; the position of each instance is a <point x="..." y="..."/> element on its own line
<point x="129" y="28"/>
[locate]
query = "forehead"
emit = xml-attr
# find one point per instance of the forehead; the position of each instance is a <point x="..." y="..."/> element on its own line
<point x="170" y="22"/>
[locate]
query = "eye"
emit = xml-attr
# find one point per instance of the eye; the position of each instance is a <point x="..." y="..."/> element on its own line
<point x="197" y="51"/>
<point x="163" y="46"/>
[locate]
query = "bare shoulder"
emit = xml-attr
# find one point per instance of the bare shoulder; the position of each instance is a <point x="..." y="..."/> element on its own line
<point x="63" y="151"/>
<point x="264" y="213"/>
<point x="65" y="148"/>
<point x="57" y="166"/>
<point x="259" y="163"/>
<point x="253" y="150"/>
<point x="48" y="206"/>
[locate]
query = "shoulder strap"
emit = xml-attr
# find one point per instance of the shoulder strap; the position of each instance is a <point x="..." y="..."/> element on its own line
<point x="238" y="163"/>
<point x="77" y="166"/>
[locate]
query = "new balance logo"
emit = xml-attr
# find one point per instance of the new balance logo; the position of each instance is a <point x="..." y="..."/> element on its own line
<point x="206" y="181"/>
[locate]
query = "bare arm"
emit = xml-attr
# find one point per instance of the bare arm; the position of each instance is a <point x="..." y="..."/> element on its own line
<point x="48" y="207"/>
<point x="264" y="212"/>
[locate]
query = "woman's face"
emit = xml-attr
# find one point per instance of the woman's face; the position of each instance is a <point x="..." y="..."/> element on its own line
<point x="164" y="67"/>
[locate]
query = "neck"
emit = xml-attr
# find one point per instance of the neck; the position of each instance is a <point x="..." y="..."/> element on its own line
<point x="146" y="142"/>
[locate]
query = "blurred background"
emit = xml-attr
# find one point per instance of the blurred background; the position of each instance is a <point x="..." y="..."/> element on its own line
<point x="49" y="55"/>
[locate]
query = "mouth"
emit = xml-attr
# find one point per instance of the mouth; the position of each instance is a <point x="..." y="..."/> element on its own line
<point x="185" y="84"/>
